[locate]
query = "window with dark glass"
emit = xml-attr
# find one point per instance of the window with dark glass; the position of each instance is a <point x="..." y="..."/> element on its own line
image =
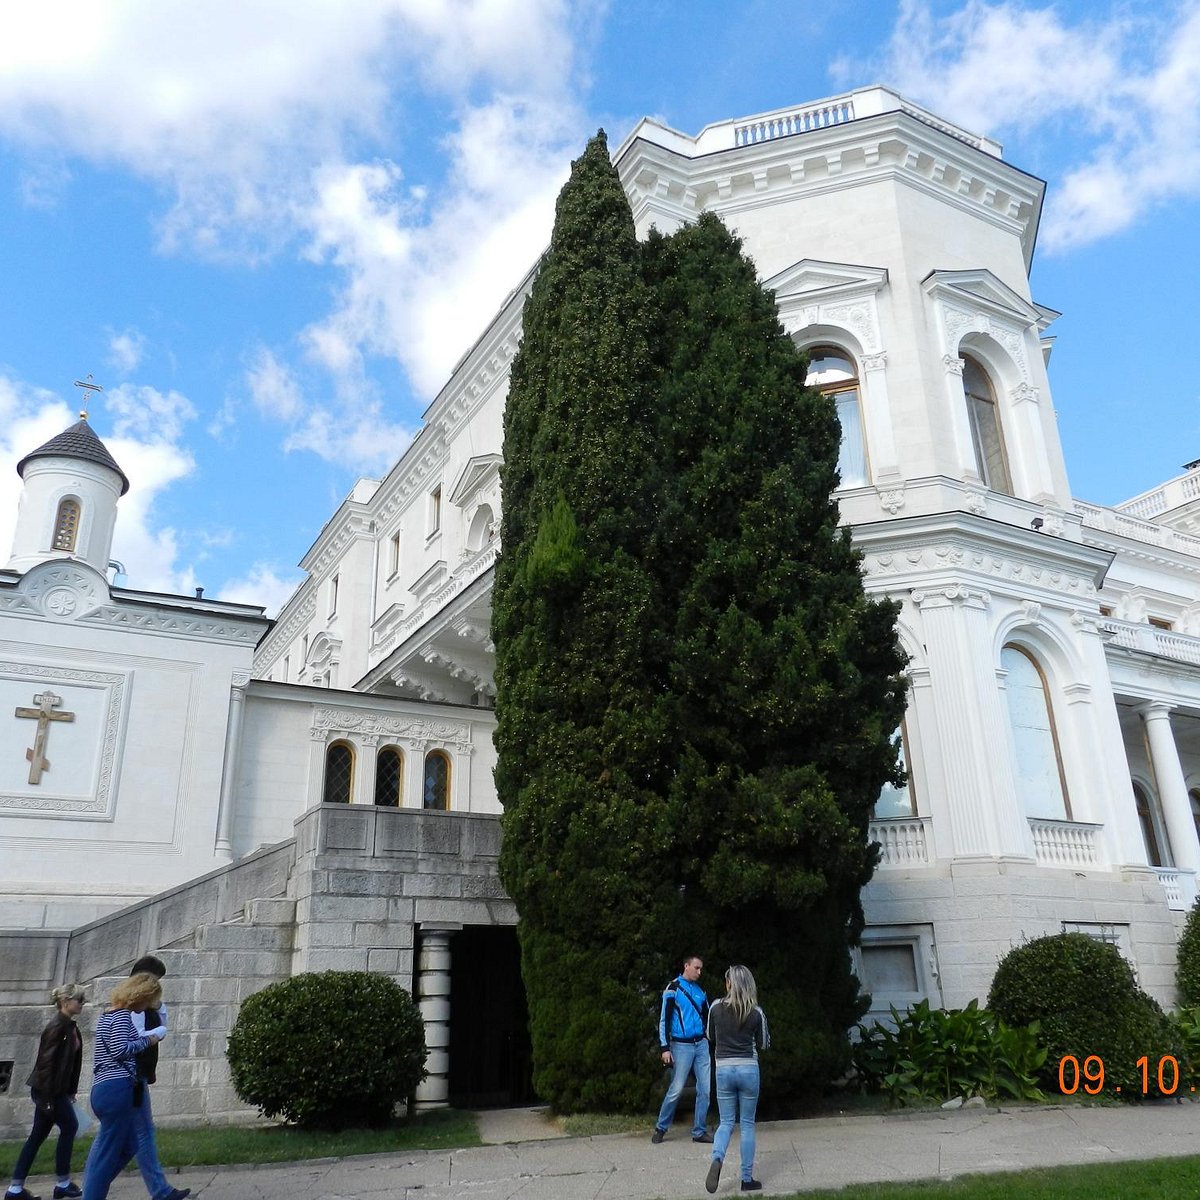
<point x="389" y="772"/>
<point x="833" y="373"/>
<point x="66" y="525"/>
<point x="339" y="774"/>
<point x="898" y="801"/>
<point x="1153" y="832"/>
<point x="987" y="437"/>
<point x="436" y="790"/>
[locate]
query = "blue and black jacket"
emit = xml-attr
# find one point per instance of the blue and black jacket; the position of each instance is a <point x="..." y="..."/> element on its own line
<point x="684" y="1015"/>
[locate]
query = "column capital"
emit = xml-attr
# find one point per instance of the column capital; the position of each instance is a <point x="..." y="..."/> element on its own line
<point x="1158" y="709"/>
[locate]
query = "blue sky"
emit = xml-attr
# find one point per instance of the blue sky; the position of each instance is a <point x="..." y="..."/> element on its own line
<point x="271" y="227"/>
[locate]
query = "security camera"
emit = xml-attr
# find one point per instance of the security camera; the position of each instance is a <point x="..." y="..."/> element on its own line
<point x="1036" y="523"/>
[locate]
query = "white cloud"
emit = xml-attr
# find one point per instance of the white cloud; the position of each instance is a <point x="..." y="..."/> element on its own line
<point x="273" y="386"/>
<point x="125" y="350"/>
<point x="148" y="414"/>
<point x="1126" y="89"/>
<point x="262" y="584"/>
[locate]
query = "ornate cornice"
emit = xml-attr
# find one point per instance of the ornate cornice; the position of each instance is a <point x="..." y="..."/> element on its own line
<point x="331" y="722"/>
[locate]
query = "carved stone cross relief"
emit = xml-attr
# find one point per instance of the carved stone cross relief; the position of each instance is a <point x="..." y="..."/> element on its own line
<point x="46" y="703"/>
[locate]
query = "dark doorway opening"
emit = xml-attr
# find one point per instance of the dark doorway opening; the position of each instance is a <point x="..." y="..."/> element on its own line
<point x="491" y="1063"/>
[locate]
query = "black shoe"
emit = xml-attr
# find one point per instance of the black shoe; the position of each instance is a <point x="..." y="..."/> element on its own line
<point x="751" y="1185"/>
<point x="658" y="1135"/>
<point x="178" y="1194"/>
<point x="714" y="1176"/>
<point x="705" y="1137"/>
<point x="70" y="1192"/>
<point x="23" y="1194"/>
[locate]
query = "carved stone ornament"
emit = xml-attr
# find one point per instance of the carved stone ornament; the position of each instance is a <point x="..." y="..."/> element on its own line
<point x="956" y="593"/>
<point x="953" y="364"/>
<point x="891" y="499"/>
<point x="63" y="591"/>
<point x="874" y="362"/>
<point x="976" y="502"/>
<point x="392" y="725"/>
<point x="1032" y="610"/>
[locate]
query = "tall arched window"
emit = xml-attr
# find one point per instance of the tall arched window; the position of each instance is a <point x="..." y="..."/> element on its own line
<point x="389" y="775"/>
<point x="435" y="792"/>
<point x="1041" y="784"/>
<point x="66" y="524"/>
<point x="833" y="373"/>
<point x="987" y="438"/>
<point x="1154" y="833"/>
<point x="339" y="773"/>
<point x="483" y="528"/>
<point x="897" y="801"/>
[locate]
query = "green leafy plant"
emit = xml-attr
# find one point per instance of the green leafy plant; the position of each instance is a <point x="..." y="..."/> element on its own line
<point x="1089" y="1005"/>
<point x="1186" y="1024"/>
<point x="1187" y="968"/>
<point x="931" y="1054"/>
<point x="328" y="1050"/>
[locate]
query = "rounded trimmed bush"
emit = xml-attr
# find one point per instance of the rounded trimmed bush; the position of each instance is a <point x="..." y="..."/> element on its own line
<point x="329" y="1049"/>
<point x="1187" y="969"/>
<point x="1088" y="1003"/>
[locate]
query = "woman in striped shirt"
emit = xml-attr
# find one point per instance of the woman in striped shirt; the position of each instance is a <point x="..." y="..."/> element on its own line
<point x="737" y="1030"/>
<point x="115" y="1083"/>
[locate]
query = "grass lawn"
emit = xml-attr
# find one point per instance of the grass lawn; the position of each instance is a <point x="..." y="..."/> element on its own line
<point x="208" y="1145"/>
<point x="1153" y="1179"/>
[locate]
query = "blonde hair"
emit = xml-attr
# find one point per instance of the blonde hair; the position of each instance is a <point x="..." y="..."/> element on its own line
<point x="743" y="992"/>
<point x="68" y="991"/>
<point x="137" y="993"/>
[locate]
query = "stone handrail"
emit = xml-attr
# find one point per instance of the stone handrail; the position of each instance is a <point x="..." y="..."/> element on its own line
<point x="1064" y="843"/>
<point x="903" y="841"/>
<point x="1122" y="523"/>
<point x="799" y="120"/>
<point x="1179" y="885"/>
<point x="1149" y="639"/>
<point x="1173" y="494"/>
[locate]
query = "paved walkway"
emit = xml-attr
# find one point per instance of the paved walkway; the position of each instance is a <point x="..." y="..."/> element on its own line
<point x="792" y="1156"/>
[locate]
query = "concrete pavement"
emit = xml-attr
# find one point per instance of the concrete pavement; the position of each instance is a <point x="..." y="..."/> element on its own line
<point x="827" y="1152"/>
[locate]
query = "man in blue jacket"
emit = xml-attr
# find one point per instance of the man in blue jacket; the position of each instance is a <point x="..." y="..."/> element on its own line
<point x="684" y="1045"/>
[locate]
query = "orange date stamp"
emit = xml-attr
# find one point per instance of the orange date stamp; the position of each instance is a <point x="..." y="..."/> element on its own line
<point x="1072" y="1075"/>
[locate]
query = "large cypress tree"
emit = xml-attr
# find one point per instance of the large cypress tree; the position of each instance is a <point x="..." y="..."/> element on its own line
<point x="783" y="677"/>
<point x="580" y="725"/>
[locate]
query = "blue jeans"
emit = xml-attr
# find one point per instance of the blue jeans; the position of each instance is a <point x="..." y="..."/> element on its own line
<point x="737" y="1092"/>
<point x="116" y="1143"/>
<point x="689" y="1057"/>
<point x="62" y="1115"/>
<point x="147" y="1150"/>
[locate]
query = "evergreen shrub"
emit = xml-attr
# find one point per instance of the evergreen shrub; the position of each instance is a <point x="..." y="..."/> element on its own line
<point x="1084" y="995"/>
<point x="1187" y="970"/>
<point x="328" y="1049"/>
<point x="930" y="1055"/>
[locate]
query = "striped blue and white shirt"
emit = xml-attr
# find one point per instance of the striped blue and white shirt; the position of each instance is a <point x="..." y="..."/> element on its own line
<point x="117" y="1046"/>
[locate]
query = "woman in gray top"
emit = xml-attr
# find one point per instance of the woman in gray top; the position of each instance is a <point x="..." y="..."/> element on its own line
<point x="737" y="1030"/>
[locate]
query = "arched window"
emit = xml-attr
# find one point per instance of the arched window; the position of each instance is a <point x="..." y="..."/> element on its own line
<point x="833" y="373"/>
<point x="436" y="790"/>
<point x="483" y="528"/>
<point x="987" y="438"/>
<point x="389" y="775"/>
<point x="339" y="773"/>
<point x="1041" y="784"/>
<point x="1154" y="834"/>
<point x="66" y="524"/>
<point x="897" y="801"/>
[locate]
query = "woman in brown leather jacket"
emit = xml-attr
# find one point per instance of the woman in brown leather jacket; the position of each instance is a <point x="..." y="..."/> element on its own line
<point x="53" y="1083"/>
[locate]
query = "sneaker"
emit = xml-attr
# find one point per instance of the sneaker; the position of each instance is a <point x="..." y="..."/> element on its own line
<point x="178" y="1194"/>
<point x="70" y="1192"/>
<point x="658" y="1135"/>
<point x="714" y="1176"/>
<point x="705" y="1137"/>
<point x="23" y="1194"/>
<point x="751" y="1185"/>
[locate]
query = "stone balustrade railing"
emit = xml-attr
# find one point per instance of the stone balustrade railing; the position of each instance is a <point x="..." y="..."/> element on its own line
<point x="1180" y="887"/>
<point x="1125" y="524"/>
<point x="903" y="841"/>
<point x="1172" y="494"/>
<point x="800" y="120"/>
<point x="1166" y="643"/>
<point x="471" y="567"/>
<point x="1064" y="843"/>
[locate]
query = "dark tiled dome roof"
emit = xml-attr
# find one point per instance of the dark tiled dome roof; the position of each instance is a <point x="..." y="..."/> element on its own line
<point x="80" y="441"/>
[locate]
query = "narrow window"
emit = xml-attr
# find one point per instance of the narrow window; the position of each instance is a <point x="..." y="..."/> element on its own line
<point x="304" y="652"/>
<point x="436" y="790"/>
<point x="394" y="555"/>
<point x="1153" y="833"/>
<point x="333" y="594"/>
<point x="483" y="527"/>
<point x="897" y="801"/>
<point x="834" y="374"/>
<point x="987" y="438"/>
<point x="66" y="525"/>
<point x="1041" y="785"/>
<point x="287" y="667"/>
<point x="1159" y="622"/>
<point x="435" y="510"/>
<point x="389" y="773"/>
<point x="339" y="774"/>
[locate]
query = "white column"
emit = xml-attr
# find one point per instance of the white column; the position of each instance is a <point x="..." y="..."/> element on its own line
<point x="959" y="421"/>
<point x="366" y="754"/>
<point x="233" y="750"/>
<point x="1172" y="786"/>
<point x="877" y="419"/>
<point x="433" y="999"/>
<point x="972" y="726"/>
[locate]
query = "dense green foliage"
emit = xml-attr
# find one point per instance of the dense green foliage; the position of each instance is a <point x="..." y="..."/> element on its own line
<point x="1083" y="994"/>
<point x="1187" y="969"/>
<point x="696" y="700"/>
<point x="328" y="1050"/>
<point x="1185" y="1024"/>
<point x="933" y="1055"/>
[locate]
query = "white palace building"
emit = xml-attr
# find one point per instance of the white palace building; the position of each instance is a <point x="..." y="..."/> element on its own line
<point x="252" y="799"/>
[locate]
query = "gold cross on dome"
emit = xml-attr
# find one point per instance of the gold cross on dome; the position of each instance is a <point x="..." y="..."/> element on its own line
<point x="46" y="703"/>
<point x="89" y="387"/>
